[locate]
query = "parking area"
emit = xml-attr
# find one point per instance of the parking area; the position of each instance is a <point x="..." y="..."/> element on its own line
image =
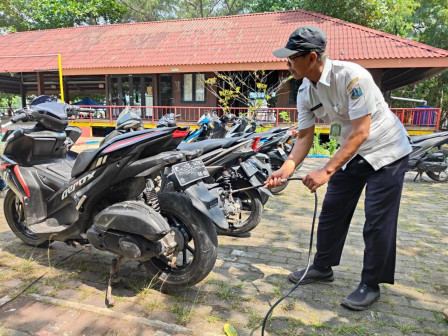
<point x="249" y="276"/>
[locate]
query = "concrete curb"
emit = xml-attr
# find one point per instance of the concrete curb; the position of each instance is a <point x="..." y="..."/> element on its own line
<point x="168" y="327"/>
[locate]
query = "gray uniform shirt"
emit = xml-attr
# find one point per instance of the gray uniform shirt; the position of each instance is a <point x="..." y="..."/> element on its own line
<point x="347" y="91"/>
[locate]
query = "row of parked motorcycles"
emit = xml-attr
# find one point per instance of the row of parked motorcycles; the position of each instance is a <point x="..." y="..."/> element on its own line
<point x="158" y="196"/>
<point x="147" y="195"/>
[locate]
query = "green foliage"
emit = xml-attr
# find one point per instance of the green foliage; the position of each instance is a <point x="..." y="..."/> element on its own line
<point x="9" y="100"/>
<point x="20" y="15"/>
<point x="431" y="27"/>
<point x="332" y="146"/>
<point x="152" y="10"/>
<point x="393" y="16"/>
<point x="318" y="148"/>
<point x="425" y="21"/>
<point x="284" y="115"/>
<point x="231" y="87"/>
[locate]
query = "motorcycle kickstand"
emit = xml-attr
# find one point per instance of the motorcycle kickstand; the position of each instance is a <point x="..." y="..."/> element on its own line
<point x="419" y="174"/>
<point x="115" y="266"/>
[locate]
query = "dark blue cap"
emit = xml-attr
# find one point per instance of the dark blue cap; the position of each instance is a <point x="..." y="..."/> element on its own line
<point x="303" y="39"/>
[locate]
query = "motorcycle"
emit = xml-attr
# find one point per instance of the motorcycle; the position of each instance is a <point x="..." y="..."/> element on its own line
<point x="430" y="155"/>
<point x="273" y="143"/>
<point x="234" y="165"/>
<point x="106" y="197"/>
<point x="231" y="163"/>
<point x="210" y="127"/>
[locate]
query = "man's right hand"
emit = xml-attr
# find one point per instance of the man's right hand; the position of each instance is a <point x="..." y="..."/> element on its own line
<point x="276" y="177"/>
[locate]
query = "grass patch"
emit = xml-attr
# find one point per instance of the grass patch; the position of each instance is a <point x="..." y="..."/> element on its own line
<point x="226" y="291"/>
<point x="212" y="319"/>
<point x="407" y="328"/>
<point x="151" y="305"/>
<point x="343" y="330"/>
<point x="183" y="314"/>
<point x="255" y="319"/>
<point x="3" y="332"/>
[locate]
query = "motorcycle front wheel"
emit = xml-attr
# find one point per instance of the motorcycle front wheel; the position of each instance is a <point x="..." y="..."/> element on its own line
<point x="198" y="255"/>
<point x="443" y="175"/>
<point x="15" y="217"/>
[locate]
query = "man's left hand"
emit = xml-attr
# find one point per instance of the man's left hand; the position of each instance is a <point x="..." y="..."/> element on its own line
<point x="315" y="179"/>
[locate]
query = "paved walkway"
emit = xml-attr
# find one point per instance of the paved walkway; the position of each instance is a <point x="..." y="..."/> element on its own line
<point x="249" y="276"/>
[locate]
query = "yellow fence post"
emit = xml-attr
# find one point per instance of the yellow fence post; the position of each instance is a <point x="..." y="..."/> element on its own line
<point x="61" y="83"/>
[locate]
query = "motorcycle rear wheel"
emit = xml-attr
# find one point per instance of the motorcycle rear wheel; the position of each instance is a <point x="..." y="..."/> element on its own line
<point x="198" y="257"/>
<point x="439" y="177"/>
<point x="15" y="218"/>
<point x="252" y="207"/>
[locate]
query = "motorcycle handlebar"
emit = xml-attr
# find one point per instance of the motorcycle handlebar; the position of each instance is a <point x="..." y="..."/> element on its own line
<point x="20" y="115"/>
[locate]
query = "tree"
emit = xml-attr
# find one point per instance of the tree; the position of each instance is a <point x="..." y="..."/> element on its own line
<point x="9" y="102"/>
<point x="392" y="16"/>
<point x="20" y="15"/>
<point x="152" y="10"/>
<point x="431" y="27"/>
<point x="425" y="21"/>
<point x="250" y="89"/>
<point x="148" y="10"/>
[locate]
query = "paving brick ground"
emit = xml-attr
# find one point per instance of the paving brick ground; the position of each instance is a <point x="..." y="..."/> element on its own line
<point x="249" y="276"/>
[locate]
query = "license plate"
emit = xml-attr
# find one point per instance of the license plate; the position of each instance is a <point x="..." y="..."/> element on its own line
<point x="190" y="171"/>
<point x="249" y="168"/>
<point x="281" y="151"/>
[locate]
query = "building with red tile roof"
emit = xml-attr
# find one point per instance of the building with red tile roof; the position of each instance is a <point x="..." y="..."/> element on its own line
<point x="164" y="58"/>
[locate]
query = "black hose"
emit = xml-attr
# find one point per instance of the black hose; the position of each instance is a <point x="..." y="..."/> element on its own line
<point x="36" y="280"/>
<point x="307" y="266"/>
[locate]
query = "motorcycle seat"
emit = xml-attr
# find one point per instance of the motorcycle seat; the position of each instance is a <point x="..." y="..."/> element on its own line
<point x="60" y="169"/>
<point x="278" y="129"/>
<point x="83" y="161"/>
<point x="263" y="135"/>
<point x="418" y="138"/>
<point x="210" y="144"/>
<point x="86" y="158"/>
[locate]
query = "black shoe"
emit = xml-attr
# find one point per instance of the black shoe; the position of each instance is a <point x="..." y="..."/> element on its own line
<point x="362" y="298"/>
<point x="314" y="274"/>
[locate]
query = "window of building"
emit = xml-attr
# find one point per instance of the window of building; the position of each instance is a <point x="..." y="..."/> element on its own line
<point x="193" y="88"/>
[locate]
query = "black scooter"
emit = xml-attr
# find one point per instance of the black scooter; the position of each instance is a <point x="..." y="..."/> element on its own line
<point x="106" y="197"/>
<point x="231" y="163"/>
<point x="430" y="155"/>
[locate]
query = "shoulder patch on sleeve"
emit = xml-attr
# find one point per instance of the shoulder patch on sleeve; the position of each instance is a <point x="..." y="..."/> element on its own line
<point x="355" y="92"/>
<point x="353" y="81"/>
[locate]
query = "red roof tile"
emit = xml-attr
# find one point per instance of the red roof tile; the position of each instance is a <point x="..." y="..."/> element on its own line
<point x="248" y="38"/>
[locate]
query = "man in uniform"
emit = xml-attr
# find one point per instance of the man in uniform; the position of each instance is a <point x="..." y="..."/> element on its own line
<point x="373" y="153"/>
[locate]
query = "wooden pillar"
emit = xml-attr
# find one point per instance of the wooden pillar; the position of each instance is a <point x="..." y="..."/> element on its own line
<point x="106" y="89"/>
<point x="22" y="92"/>
<point x="66" y="92"/>
<point x="40" y="84"/>
<point x="377" y="75"/>
<point x="155" y="90"/>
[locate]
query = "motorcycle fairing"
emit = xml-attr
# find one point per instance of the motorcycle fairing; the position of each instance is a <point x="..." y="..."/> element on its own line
<point x="94" y="158"/>
<point x="60" y="209"/>
<point x="206" y="203"/>
<point x="419" y="138"/>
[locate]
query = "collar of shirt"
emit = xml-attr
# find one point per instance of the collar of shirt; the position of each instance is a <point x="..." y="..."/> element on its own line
<point x="325" y="77"/>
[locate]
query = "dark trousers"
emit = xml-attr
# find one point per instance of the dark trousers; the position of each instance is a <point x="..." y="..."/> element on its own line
<point x="382" y="202"/>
